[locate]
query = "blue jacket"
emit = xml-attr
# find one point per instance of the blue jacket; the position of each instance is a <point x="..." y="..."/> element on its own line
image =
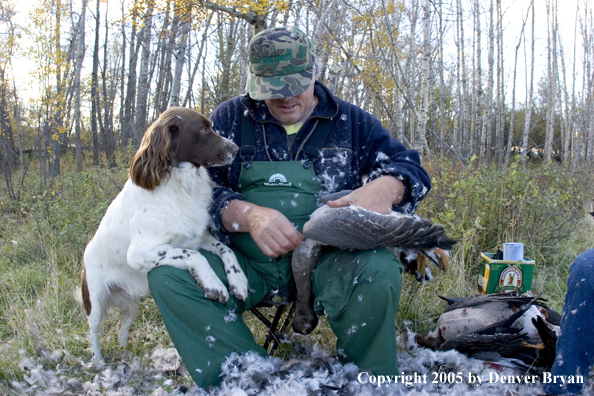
<point x="357" y="147"/>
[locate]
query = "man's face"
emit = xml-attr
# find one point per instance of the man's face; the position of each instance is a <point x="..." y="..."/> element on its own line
<point x="289" y="111"/>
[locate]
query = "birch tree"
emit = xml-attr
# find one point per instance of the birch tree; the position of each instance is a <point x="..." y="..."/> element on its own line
<point x="140" y="118"/>
<point x="513" y="108"/>
<point x="528" y="112"/>
<point x="80" y="55"/>
<point x="485" y="143"/>
<point x="95" y="100"/>
<point x="8" y="155"/>
<point x="180" y="56"/>
<point x="551" y="77"/>
<point x="128" y="120"/>
<point x="419" y="142"/>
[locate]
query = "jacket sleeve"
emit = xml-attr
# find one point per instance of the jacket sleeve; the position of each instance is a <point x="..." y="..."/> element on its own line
<point x="382" y="155"/>
<point x="225" y="119"/>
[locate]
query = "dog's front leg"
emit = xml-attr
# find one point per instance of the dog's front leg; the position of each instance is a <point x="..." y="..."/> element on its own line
<point x="303" y="262"/>
<point x="238" y="283"/>
<point x="186" y="259"/>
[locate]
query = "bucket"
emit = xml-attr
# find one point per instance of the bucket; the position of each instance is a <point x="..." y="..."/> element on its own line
<point x="513" y="251"/>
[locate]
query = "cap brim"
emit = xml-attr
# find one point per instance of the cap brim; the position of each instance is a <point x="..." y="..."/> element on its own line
<point x="277" y="87"/>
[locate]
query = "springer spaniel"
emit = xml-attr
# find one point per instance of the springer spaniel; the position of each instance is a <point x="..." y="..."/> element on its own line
<point x="159" y="218"/>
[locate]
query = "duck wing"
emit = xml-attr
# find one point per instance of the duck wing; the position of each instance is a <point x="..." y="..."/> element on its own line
<point x="511" y="298"/>
<point x="356" y="228"/>
<point x="453" y="300"/>
<point x="471" y="344"/>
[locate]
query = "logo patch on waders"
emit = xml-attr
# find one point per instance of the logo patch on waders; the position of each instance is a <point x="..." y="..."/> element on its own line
<point x="277" y="180"/>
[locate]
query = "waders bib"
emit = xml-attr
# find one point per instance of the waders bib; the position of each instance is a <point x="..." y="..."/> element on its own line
<point x="358" y="291"/>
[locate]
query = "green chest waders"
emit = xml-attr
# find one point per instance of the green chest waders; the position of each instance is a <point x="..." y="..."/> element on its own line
<point x="358" y="291"/>
<point x="291" y="187"/>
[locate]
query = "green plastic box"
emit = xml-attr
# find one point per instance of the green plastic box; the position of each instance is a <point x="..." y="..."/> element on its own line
<point x="500" y="275"/>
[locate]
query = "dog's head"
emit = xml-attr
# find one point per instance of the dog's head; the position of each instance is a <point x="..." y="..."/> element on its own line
<point x="178" y="135"/>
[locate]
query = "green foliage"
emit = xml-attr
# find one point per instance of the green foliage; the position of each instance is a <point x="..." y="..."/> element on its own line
<point x="483" y="207"/>
<point x="544" y="207"/>
<point x="42" y="239"/>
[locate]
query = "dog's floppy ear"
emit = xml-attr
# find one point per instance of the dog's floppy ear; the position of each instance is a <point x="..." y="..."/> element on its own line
<point x="157" y="153"/>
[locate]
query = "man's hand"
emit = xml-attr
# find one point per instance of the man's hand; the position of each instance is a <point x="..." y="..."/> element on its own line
<point x="378" y="195"/>
<point x="271" y="230"/>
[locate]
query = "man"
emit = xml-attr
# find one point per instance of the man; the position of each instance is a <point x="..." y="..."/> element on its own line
<point x="297" y="140"/>
<point x="575" y="346"/>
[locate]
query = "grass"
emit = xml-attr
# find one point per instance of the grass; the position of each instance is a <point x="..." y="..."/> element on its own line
<point x="43" y="235"/>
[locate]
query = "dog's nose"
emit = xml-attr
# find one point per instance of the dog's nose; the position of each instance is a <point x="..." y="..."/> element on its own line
<point x="234" y="148"/>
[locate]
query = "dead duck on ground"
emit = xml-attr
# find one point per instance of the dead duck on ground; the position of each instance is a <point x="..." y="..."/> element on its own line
<point x="355" y="228"/>
<point x="493" y="326"/>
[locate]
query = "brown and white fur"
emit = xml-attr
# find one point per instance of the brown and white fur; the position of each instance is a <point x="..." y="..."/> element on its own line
<point x="159" y="218"/>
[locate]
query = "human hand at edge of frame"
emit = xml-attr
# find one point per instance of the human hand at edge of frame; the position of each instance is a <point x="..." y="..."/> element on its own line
<point x="377" y="196"/>
<point x="271" y="230"/>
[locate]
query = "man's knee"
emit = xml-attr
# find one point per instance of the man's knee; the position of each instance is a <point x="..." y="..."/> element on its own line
<point x="165" y="279"/>
<point x="381" y="279"/>
<point x="382" y="266"/>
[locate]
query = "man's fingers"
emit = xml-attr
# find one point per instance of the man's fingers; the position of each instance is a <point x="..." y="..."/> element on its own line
<point x="342" y="201"/>
<point x="275" y="235"/>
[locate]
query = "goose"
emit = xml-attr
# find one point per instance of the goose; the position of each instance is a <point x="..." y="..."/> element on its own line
<point x="355" y="228"/>
<point x="493" y="326"/>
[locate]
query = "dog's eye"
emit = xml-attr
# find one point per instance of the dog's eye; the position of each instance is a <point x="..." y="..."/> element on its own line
<point x="204" y="130"/>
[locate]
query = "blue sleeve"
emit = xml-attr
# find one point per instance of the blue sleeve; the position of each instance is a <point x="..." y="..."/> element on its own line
<point x="226" y="122"/>
<point x="383" y="155"/>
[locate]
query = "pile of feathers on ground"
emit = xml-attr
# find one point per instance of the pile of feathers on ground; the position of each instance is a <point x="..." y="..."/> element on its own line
<point x="315" y="372"/>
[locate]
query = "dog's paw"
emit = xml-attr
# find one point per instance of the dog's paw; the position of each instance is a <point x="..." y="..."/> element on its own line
<point x="217" y="295"/>
<point x="238" y="285"/>
<point x="214" y="289"/>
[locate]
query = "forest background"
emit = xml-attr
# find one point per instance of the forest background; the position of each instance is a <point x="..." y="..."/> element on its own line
<point x="505" y="124"/>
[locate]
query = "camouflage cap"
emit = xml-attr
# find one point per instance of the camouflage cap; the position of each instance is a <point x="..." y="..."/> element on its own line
<point x="281" y="61"/>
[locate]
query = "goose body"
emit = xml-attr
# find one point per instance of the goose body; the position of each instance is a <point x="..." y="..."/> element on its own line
<point x="503" y="325"/>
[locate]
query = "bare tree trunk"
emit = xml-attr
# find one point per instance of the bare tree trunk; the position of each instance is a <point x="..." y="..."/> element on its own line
<point x="95" y="101"/>
<point x="162" y="59"/>
<point x="567" y="119"/>
<point x="397" y="78"/>
<point x="478" y="83"/>
<point x="143" y="88"/>
<point x="419" y="142"/>
<point x="80" y="54"/>
<point x="243" y="58"/>
<point x="108" y="98"/>
<point x="530" y="92"/>
<point x="485" y="144"/>
<point x="123" y="71"/>
<point x="513" y="109"/>
<point x="127" y="135"/>
<point x="7" y="148"/>
<point x="499" y="138"/>
<point x="551" y="80"/>
<point x="411" y="59"/>
<point x="180" y="55"/>
<point x="203" y="84"/>
<point x="199" y="59"/>
<point x="227" y="44"/>
<point x="465" y="118"/>
<point x="588" y="131"/>
<point x="442" y="119"/>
